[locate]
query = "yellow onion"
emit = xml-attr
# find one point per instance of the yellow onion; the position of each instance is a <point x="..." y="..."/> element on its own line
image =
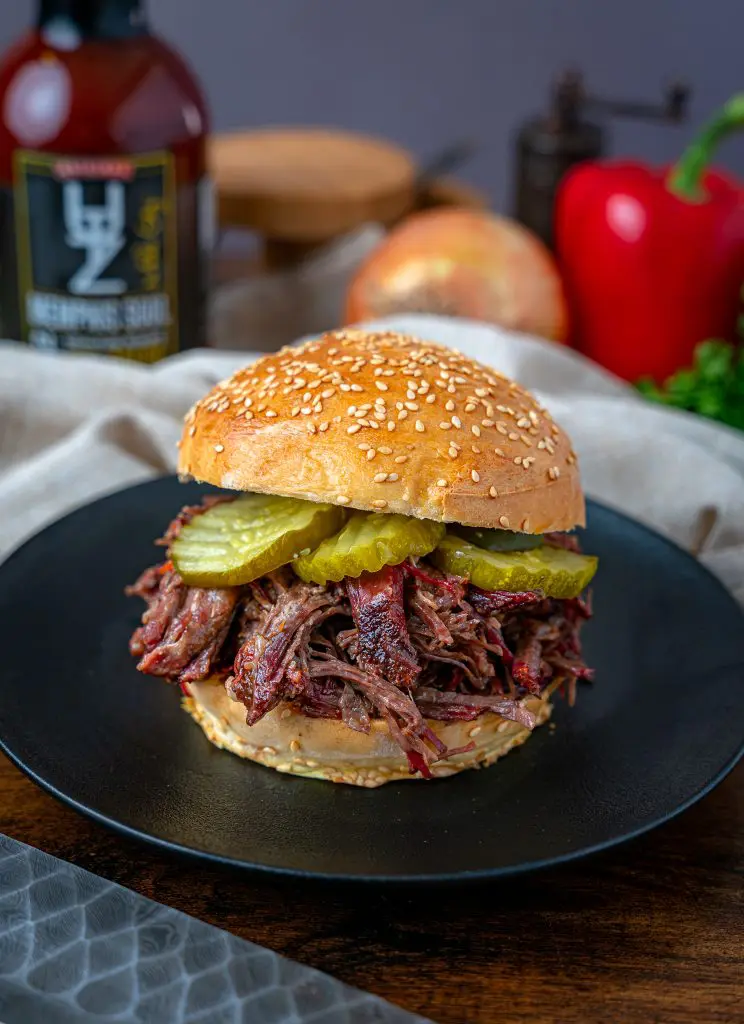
<point x="463" y="262"/>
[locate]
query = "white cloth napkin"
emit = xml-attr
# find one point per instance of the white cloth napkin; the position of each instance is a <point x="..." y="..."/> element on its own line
<point x="74" y="427"/>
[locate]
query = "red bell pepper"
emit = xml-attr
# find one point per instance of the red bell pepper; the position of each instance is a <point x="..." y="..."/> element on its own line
<point x="652" y="258"/>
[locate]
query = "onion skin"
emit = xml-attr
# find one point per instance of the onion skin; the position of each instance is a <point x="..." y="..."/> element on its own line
<point x="461" y="262"/>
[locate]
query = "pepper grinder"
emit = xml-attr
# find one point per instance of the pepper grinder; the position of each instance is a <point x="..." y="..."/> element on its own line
<point x="549" y="145"/>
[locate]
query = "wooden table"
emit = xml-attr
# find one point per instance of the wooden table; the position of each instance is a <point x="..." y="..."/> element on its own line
<point x="652" y="932"/>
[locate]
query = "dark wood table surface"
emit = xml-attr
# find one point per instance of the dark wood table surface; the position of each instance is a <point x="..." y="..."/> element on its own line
<point x="650" y="933"/>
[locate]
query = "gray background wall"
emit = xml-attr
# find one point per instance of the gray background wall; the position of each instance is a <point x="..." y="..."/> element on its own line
<point x="424" y="72"/>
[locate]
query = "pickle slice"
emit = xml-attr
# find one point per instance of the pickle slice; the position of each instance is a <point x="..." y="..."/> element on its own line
<point x="367" y="542"/>
<point x="554" y="571"/>
<point x="501" y="540"/>
<point x="239" y="541"/>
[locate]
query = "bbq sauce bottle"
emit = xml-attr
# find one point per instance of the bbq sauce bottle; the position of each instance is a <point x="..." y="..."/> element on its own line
<point x="105" y="207"/>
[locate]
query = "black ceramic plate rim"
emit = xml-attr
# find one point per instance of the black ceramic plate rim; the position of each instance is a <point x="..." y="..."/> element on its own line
<point x="461" y="877"/>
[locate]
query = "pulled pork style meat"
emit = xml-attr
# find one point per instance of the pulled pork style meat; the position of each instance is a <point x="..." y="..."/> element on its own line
<point x="406" y="644"/>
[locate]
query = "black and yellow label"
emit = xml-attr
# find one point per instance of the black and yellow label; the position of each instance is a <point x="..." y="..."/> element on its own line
<point x="96" y="253"/>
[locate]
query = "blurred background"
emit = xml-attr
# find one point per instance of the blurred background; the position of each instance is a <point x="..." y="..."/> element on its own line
<point x="424" y="72"/>
<point x="466" y="169"/>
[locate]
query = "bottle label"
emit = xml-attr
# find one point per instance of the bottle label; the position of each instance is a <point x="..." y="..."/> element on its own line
<point x="96" y="251"/>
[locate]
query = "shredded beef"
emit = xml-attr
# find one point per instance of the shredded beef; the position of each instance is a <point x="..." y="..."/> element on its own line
<point x="406" y="645"/>
<point x="193" y="638"/>
<point x="380" y="618"/>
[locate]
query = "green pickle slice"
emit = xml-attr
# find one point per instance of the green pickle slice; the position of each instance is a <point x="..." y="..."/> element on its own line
<point x="554" y="571"/>
<point x="237" y="542"/>
<point x="501" y="540"/>
<point x="367" y="542"/>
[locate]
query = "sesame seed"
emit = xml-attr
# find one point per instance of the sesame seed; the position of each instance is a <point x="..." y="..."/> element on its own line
<point x="384" y="450"/>
<point x="487" y="423"/>
<point x="518" y="460"/>
<point x="412" y="406"/>
<point x="324" y="426"/>
<point x="441" y="483"/>
<point x="363" y="446"/>
<point x="470" y="407"/>
<point x="345" y="387"/>
<point x="371" y="454"/>
<point x="219" y="447"/>
<point x="481" y="392"/>
<point x="410" y="395"/>
<point x="554" y="472"/>
<point x="430" y="399"/>
<point x="402" y="414"/>
<point x="499" y="452"/>
<point x="476" y="449"/>
<point x="343" y="499"/>
<point x="456" y="422"/>
<point x="513" y="436"/>
<point x="328" y="393"/>
<point x="420" y="426"/>
<point x="492" y="492"/>
<point x="311" y="428"/>
<point x="476" y="430"/>
<point x="270" y="413"/>
<point x="475" y="476"/>
<point x="400" y="458"/>
<point x="444" y="425"/>
<point x="504" y="522"/>
<point x="379" y="478"/>
<point x="357" y="387"/>
<point x="453" y="453"/>
<point x="351" y="411"/>
<point x="391" y="425"/>
<point x="296" y="411"/>
<point x="449" y="405"/>
<point x="392" y="477"/>
<point x="353" y="428"/>
<point x="381" y="385"/>
<point x="380" y="503"/>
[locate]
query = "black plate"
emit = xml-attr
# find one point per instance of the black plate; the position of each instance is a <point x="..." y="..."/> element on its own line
<point x="661" y="725"/>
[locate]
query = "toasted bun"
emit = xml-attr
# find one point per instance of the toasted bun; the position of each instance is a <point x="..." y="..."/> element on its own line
<point x="321" y="748"/>
<point x="452" y="440"/>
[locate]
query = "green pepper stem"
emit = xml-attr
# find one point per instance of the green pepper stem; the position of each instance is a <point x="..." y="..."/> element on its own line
<point x="685" y="178"/>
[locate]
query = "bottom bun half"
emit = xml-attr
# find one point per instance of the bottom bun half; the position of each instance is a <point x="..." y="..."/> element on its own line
<point x="322" y="748"/>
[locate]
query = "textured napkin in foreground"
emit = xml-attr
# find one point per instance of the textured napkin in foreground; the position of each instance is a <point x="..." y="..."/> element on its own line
<point x="75" y="949"/>
<point x="73" y="428"/>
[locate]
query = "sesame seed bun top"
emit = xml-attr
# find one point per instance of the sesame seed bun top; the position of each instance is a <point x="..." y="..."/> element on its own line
<point x="387" y="422"/>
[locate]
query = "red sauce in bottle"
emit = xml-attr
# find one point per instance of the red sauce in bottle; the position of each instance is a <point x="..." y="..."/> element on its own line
<point x="105" y="207"/>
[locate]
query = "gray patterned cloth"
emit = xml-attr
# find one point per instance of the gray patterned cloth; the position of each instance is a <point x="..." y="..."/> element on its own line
<point x="78" y="949"/>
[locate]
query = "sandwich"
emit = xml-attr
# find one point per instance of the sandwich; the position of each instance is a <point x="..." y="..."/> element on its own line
<point x="383" y="581"/>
